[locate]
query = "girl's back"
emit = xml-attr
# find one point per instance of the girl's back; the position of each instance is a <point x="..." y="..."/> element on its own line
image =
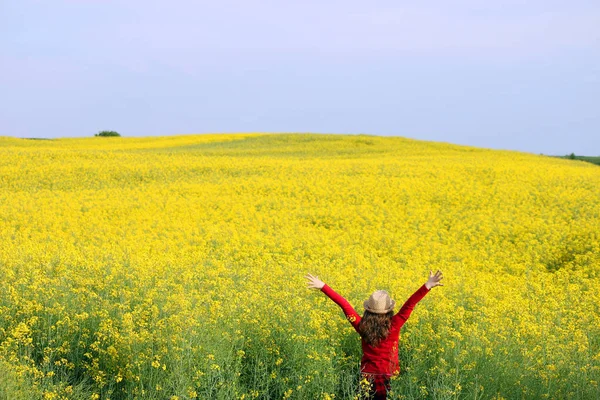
<point x="383" y="358"/>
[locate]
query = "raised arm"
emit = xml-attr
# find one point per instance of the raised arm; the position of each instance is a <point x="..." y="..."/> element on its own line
<point x="351" y="314"/>
<point x="409" y="306"/>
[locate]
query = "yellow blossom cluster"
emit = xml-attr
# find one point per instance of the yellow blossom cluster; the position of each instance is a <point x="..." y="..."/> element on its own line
<point x="172" y="267"/>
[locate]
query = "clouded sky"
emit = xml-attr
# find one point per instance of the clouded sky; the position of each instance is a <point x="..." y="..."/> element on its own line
<point x="510" y="74"/>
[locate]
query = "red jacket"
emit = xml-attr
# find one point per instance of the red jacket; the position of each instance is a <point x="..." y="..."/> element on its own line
<point x="382" y="359"/>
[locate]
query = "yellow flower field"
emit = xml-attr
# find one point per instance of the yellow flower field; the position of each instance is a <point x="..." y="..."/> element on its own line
<point x="172" y="267"/>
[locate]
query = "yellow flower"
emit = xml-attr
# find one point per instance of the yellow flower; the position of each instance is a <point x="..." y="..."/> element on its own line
<point x="189" y="251"/>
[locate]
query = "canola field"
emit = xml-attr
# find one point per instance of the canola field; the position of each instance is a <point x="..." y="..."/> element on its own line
<point x="172" y="267"/>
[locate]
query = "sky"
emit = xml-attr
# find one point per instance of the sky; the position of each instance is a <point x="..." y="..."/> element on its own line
<point x="506" y="74"/>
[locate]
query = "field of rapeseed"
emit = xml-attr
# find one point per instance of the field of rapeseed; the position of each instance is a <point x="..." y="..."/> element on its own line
<point x="172" y="268"/>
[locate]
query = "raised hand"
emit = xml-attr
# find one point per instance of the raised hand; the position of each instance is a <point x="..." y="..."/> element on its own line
<point x="314" y="282"/>
<point x="434" y="280"/>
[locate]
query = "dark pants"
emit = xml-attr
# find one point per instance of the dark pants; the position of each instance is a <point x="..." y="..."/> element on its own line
<point x="378" y="386"/>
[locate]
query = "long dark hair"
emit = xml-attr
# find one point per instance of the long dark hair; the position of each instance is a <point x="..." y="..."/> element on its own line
<point x="373" y="328"/>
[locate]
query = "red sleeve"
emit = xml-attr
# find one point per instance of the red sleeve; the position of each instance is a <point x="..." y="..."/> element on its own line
<point x="410" y="304"/>
<point x="351" y="314"/>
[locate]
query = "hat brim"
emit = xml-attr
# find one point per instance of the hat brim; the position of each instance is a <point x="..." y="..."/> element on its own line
<point x="371" y="310"/>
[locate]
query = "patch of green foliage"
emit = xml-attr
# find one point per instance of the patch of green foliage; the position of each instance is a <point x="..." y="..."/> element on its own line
<point x="590" y="159"/>
<point x="107" y="133"/>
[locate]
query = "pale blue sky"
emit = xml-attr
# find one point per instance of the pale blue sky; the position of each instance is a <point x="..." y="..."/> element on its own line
<point x="511" y="74"/>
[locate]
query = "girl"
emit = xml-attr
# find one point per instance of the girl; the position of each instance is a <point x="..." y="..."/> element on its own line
<point x="379" y="329"/>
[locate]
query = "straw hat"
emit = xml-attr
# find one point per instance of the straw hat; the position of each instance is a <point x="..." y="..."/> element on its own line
<point x="379" y="303"/>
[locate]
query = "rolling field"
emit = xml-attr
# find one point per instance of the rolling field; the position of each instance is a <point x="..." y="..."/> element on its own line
<point x="172" y="267"/>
